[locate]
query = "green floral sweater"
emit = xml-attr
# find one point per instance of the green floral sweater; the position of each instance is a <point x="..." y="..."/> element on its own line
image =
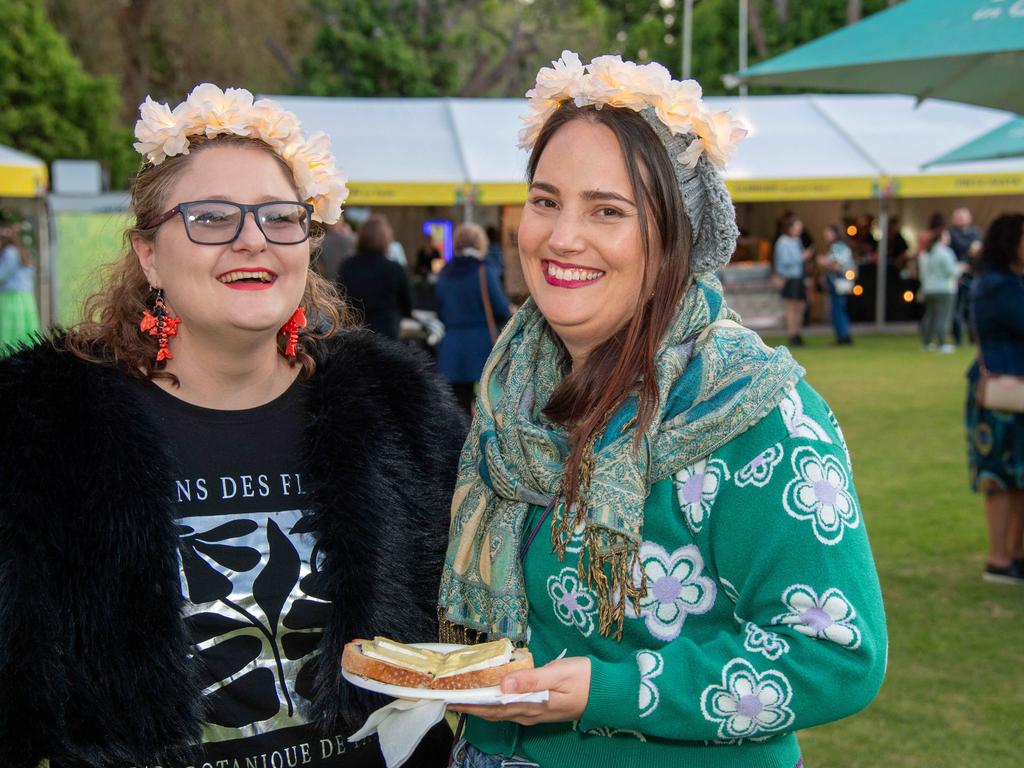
<point x="763" y="614"/>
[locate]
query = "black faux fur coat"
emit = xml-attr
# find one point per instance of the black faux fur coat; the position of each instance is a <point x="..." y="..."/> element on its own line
<point x="94" y="666"/>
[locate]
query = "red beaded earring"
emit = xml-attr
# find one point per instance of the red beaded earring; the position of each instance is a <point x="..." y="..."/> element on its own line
<point x="162" y="324"/>
<point x="291" y="329"/>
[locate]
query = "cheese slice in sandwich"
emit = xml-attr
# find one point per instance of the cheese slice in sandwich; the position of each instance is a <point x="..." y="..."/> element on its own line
<point x="474" y="666"/>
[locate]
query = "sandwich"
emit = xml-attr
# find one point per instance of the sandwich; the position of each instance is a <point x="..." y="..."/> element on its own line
<point x="394" y="663"/>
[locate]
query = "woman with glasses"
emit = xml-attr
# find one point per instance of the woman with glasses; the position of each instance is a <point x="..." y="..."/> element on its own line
<point x="204" y="495"/>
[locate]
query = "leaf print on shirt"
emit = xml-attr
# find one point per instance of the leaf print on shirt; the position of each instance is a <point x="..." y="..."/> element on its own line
<point x="696" y="488"/>
<point x="254" y="629"/>
<point x="574" y="604"/>
<point x="651" y="664"/>
<point x="799" y="424"/>
<point x="820" y="492"/>
<point x="676" y="588"/>
<point x="829" y="617"/>
<point x="747" y="702"/>
<point x="759" y="470"/>
<point x="758" y="640"/>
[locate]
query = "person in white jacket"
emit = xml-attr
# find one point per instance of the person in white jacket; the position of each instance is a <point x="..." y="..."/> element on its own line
<point x="939" y="272"/>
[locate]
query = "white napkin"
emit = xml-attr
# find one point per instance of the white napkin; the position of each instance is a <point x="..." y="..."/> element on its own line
<point x="400" y="726"/>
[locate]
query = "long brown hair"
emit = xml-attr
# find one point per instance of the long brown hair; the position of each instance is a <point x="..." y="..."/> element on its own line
<point x="109" y="331"/>
<point x="624" y="364"/>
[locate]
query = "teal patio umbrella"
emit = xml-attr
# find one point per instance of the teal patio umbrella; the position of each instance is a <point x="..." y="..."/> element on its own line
<point x="971" y="51"/>
<point x="1005" y="141"/>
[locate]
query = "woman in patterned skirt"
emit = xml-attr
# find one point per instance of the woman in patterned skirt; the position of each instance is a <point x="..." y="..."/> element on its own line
<point x="650" y="497"/>
<point x="995" y="439"/>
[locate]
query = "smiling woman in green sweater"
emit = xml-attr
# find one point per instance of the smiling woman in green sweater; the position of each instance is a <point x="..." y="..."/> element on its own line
<point x="650" y="497"/>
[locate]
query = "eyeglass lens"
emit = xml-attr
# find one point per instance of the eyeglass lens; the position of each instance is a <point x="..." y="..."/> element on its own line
<point x="217" y="223"/>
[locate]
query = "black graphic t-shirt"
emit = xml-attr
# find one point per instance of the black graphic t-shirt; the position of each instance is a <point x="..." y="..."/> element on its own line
<point x="248" y="575"/>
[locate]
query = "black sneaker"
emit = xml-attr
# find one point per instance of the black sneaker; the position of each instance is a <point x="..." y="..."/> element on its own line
<point x="1009" y="574"/>
<point x="796" y="341"/>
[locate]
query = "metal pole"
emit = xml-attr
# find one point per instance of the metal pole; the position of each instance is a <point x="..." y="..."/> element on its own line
<point x="883" y="258"/>
<point x="744" y="26"/>
<point x="687" y="38"/>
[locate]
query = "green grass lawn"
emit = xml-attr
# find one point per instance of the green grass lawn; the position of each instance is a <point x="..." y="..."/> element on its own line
<point x="954" y="693"/>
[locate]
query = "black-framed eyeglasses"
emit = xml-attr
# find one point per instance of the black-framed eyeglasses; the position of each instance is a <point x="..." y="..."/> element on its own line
<point x="219" y="222"/>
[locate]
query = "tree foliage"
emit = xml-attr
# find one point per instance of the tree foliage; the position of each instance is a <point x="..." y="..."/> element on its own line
<point x="49" y="106"/>
<point x="456" y="48"/>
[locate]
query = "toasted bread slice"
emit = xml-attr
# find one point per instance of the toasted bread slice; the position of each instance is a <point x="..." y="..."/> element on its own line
<point x="476" y="666"/>
<point x="483" y="678"/>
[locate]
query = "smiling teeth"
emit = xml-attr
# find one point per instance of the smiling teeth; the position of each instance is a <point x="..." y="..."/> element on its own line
<point x="232" y="277"/>
<point x="572" y="275"/>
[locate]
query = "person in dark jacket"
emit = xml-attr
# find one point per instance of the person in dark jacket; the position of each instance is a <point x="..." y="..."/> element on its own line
<point x="375" y="286"/>
<point x="203" y="499"/>
<point x="460" y="305"/>
<point x="963" y="238"/>
<point x="995" y="440"/>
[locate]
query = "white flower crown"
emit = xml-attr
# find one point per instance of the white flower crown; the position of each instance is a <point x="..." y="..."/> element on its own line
<point x="163" y="132"/>
<point x="608" y="80"/>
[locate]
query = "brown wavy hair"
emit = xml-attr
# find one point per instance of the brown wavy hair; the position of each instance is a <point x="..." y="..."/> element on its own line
<point x="109" y="331"/>
<point x="625" y="364"/>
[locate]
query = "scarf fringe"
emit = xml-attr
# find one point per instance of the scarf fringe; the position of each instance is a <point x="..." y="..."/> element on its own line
<point x="457" y="634"/>
<point x="606" y="570"/>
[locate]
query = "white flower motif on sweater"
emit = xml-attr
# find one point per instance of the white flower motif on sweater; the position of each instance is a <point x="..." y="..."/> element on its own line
<point x="651" y="665"/>
<point x="799" y="424"/>
<point x="574" y="604"/>
<point x="696" y="487"/>
<point x="820" y="492"/>
<point x="612" y="732"/>
<point x="746" y="702"/>
<point x="829" y="617"/>
<point x="758" y="640"/>
<point x="842" y="438"/>
<point x="759" y="470"/>
<point x="676" y="588"/>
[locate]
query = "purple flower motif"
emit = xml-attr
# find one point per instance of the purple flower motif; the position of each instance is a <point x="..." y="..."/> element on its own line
<point x="759" y="470"/>
<point x="574" y="604"/>
<point x="696" y="488"/>
<point x="748" y="702"/>
<point x="676" y="588"/>
<point x="769" y="644"/>
<point x="820" y="492"/>
<point x="829" y="617"/>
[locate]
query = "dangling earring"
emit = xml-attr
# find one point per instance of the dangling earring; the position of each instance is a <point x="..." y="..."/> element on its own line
<point x="291" y="330"/>
<point x="162" y="324"/>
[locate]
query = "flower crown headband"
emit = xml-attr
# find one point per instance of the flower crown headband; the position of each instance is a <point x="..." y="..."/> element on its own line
<point x="699" y="141"/>
<point x="608" y="80"/>
<point x="209" y="111"/>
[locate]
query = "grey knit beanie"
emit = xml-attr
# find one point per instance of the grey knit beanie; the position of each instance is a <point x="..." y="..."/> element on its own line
<point x="705" y="199"/>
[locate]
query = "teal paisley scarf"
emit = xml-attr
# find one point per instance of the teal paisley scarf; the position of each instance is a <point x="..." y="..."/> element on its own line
<point x="715" y="379"/>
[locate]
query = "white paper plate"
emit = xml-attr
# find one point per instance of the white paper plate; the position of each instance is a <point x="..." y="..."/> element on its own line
<point x="489" y="695"/>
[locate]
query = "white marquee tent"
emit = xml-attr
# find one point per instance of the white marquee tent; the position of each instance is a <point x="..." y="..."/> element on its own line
<point x="446" y="151"/>
<point x="800" y="148"/>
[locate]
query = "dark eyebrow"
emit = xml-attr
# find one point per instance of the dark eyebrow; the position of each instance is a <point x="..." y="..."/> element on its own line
<point x="543" y="186"/>
<point x="597" y="195"/>
<point x="590" y="195"/>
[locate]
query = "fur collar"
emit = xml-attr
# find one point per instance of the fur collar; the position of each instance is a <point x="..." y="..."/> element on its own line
<point x="93" y="654"/>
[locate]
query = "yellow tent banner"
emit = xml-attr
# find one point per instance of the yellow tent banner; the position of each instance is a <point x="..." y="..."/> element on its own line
<point x="23" y="180"/>
<point x="403" y="193"/>
<point x="776" y="190"/>
<point x="958" y="185"/>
